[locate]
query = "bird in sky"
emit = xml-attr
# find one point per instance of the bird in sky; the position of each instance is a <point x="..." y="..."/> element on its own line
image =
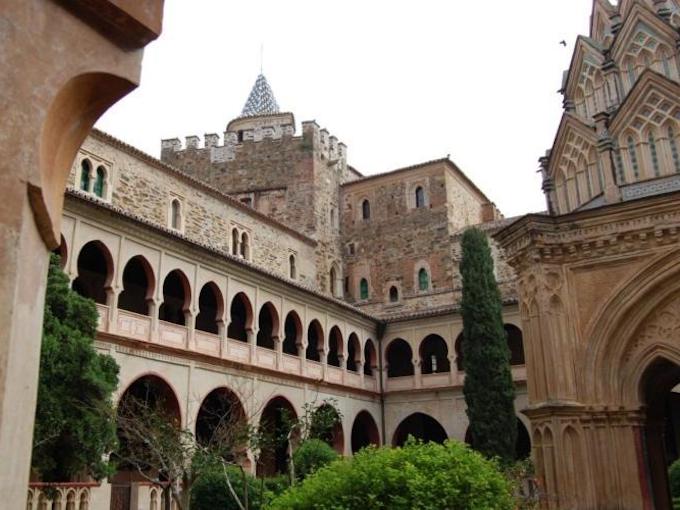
<point x="563" y="43"/>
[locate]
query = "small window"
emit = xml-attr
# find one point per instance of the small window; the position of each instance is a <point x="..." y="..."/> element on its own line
<point x="240" y="135"/>
<point x="293" y="269"/>
<point x="420" y="197"/>
<point x="423" y="279"/>
<point x="245" y="246"/>
<point x="363" y="288"/>
<point x="234" y="242"/>
<point x="99" y="182"/>
<point x="332" y="281"/>
<point x="366" y="210"/>
<point x="85" y="168"/>
<point x="175" y="215"/>
<point x="346" y="284"/>
<point x="394" y="294"/>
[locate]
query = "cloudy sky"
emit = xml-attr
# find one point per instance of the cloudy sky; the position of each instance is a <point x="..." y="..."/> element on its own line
<point x="399" y="82"/>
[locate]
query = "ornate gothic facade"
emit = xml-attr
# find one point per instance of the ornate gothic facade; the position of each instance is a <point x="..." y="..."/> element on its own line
<point x="597" y="275"/>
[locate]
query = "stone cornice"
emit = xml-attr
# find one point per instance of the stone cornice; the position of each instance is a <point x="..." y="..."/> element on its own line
<point x="582" y="235"/>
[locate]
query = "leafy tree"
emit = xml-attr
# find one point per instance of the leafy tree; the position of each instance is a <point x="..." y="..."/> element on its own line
<point x="488" y="388"/>
<point x="74" y="425"/>
<point x="674" y="478"/>
<point x="418" y="476"/>
<point x="312" y="455"/>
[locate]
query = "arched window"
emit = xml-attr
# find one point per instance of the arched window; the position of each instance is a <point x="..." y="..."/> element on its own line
<point x="138" y="286"/>
<point x="314" y="341"/>
<point x="458" y="347"/>
<point x="85" y="168"/>
<point x="353" y="352"/>
<point x="366" y="209"/>
<point x="420" y="197"/>
<point x="394" y="294"/>
<point x="515" y="344"/>
<point x="240" y="313"/>
<point x="633" y="157"/>
<point x="618" y="163"/>
<point x="99" y="182"/>
<point x="370" y="357"/>
<point x="292" y="330"/>
<point x="363" y="289"/>
<point x="95" y="270"/>
<point x="209" y="309"/>
<point x="245" y="246"/>
<point x="335" y="347"/>
<point x="234" y="242"/>
<point x="653" y="154"/>
<point x="399" y="358"/>
<point x="268" y="326"/>
<point x="333" y="281"/>
<point x="293" y="269"/>
<point x="175" y="214"/>
<point x="176" y="298"/>
<point x="434" y="355"/>
<point x="423" y="279"/>
<point x="674" y="149"/>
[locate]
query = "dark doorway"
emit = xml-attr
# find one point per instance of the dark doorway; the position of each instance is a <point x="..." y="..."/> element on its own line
<point x="399" y="359"/>
<point x="137" y="286"/>
<point x="275" y="425"/>
<point x="662" y="426"/>
<point x="221" y="423"/>
<point x="267" y="323"/>
<point x="334" y="347"/>
<point x="175" y="298"/>
<point x="209" y="309"/>
<point x="420" y="426"/>
<point x="364" y="432"/>
<point x="434" y="355"/>
<point x="314" y="341"/>
<point x="95" y="268"/>
<point x="292" y="330"/>
<point x="240" y="315"/>
<point x="515" y="344"/>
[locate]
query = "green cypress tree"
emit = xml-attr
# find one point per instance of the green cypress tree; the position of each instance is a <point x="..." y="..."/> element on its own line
<point x="488" y="388"/>
<point x="74" y="423"/>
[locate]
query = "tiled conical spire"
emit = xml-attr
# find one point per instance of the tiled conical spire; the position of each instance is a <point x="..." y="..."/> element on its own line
<point x="261" y="99"/>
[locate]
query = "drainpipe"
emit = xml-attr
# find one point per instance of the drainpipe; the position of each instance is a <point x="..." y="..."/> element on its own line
<point x="380" y="332"/>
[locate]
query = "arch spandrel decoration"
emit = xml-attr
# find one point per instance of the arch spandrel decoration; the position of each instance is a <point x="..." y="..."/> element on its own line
<point x="638" y="325"/>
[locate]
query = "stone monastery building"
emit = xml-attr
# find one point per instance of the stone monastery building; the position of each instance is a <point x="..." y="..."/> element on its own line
<point x="258" y="264"/>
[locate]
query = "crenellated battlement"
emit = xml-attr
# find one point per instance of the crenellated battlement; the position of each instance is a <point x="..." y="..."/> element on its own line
<point x="240" y="130"/>
<point x="328" y="145"/>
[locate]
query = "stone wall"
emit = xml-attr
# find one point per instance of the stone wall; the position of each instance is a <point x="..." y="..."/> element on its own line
<point x="141" y="186"/>
<point x="390" y="248"/>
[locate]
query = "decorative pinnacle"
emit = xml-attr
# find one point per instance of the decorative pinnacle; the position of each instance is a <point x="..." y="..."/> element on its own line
<point x="261" y="100"/>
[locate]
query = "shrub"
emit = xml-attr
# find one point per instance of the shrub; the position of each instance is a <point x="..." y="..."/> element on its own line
<point x="211" y="491"/>
<point x="312" y="455"/>
<point x="674" y="478"/>
<point x="418" y="476"/>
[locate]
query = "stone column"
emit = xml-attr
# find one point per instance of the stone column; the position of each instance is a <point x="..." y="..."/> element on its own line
<point x="89" y="57"/>
<point x="417" y="373"/>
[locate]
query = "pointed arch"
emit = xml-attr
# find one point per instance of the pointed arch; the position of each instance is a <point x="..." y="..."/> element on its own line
<point x="210" y="308"/>
<point x="176" y="298"/>
<point x="335" y="347"/>
<point x="95" y="272"/>
<point x="421" y="426"/>
<point x="268" y="326"/>
<point x="353" y="352"/>
<point x="315" y="343"/>
<point x="240" y="318"/>
<point x="370" y="357"/>
<point x="434" y="355"/>
<point x="364" y="431"/>
<point x="399" y="358"/>
<point x="292" y="329"/>
<point x="139" y="285"/>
